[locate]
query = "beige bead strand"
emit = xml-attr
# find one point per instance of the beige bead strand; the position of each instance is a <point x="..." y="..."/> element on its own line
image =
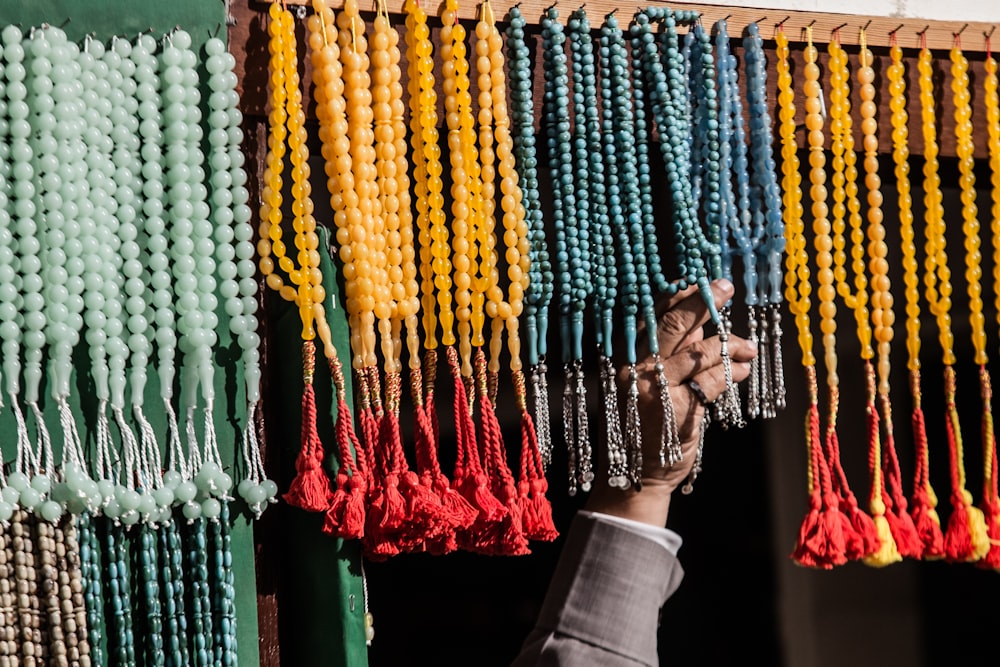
<point x="74" y="609"/>
<point x="30" y="638"/>
<point x="50" y="612"/>
<point x="8" y="612"/>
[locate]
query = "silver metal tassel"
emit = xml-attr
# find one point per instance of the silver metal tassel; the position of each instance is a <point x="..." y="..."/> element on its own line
<point x="670" y="441"/>
<point x="777" y="365"/>
<point x="569" y="426"/>
<point x="633" y="430"/>
<point x="585" y="466"/>
<point x="698" y="457"/>
<point x="754" y="386"/>
<point x="617" y="459"/>
<point x="766" y="384"/>
<point x="540" y="396"/>
<point x="728" y="409"/>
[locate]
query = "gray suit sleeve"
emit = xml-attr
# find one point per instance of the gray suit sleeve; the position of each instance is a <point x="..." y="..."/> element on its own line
<point x="603" y="604"/>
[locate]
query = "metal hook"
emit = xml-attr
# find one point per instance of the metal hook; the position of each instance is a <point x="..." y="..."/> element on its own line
<point x="959" y="33"/>
<point x="867" y="25"/>
<point x="897" y="29"/>
<point x="811" y="23"/>
<point x="761" y="19"/>
<point x="990" y="33"/>
<point x="838" y="28"/>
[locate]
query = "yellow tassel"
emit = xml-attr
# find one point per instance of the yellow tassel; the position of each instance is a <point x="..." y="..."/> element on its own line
<point x="978" y="533"/>
<point x="887" y="553"/>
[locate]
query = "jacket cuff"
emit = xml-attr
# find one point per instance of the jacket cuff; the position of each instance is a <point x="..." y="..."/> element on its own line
<point x="608" y="589"/>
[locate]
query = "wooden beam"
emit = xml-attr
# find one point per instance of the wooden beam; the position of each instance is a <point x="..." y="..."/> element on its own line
<point x="880" y="29"/>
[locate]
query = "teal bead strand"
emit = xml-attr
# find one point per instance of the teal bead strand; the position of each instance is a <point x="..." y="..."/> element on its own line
<point x="224" y="598"/>
<point x="538" y="294"/>
<point x="175" y="635"/>
<point x="90" y="565"/>
<point x="771" y="251"/>
<point x="556" y="122"/>
<point x="118" y="605"/>
<point x="201" y="638"/>
<point x="149" y="585"/>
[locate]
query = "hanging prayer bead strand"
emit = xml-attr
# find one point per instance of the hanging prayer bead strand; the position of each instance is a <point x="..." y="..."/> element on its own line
<point x="505" y="311"/>
<point x="826" y="293"/>
<point x="646" y="267"/>
<point x="28" y="232"/>
<point x="922" y="509"/>
<point x="882" y="314"/>
<point x="310" y="489"/>
<point x="11" y="300"/>
<point x="764" y="174"/>
<point x="234" y="254"/>
<point x="556" y="109"/>
<point x="966" y="536"/>
<point x="434" y="267"/>
<point x="540" y="283"/>
<point x="991" y="501"/>
<point x="470" y="477"/>
<point x="346" y="514"/>
<point x="62" y="183"/>
<point x="964" y="149"/>
<point x="813" y="548"/>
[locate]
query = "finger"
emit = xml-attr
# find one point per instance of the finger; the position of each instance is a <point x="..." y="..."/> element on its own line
<point x="679" y="319"/>
<point x="703" y="354"/>
<point x="710" y="383"/>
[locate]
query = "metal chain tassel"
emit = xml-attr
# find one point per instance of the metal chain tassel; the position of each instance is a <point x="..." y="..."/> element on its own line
<point x="767" y="409"/>
<point x="777" y="365"/>
<point x="688" y="487"/>
<point x="569" y="425"/>
<point x="754" y="385"/>
<point x="727" y="407"/>
<point x="633" y="432"/>
<point x="540" y="393"/>
<point x="670" y="441"/>
<point x="585" y="466"/>
<point x="618" y="476"/>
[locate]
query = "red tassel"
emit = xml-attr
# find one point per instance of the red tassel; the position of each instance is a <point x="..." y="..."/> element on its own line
<point x="908" y="541"/>
<point x="862" y="538"/>
<point x="538" y="523"/>
<point x="922" y="508"/>
<point x="991" y="560"/>
<point x="821" y="542"/>
<point x="310" y="490"/>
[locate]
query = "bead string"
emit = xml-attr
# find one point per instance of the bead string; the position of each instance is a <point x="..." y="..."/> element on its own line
<point x="470" y="476"/>
<point x="540" y="281"/>
<point x="764" y="177"/>
<point x="576" y="193"/>
<point x="813" y="548"/>
<point x="977" y="322"/>
<point x="991" y="500"/>
<point x="459" y="514"/>
<point x="924" y="501"/>
<point x="556" y="110"/>
<point x="346" y="514"/>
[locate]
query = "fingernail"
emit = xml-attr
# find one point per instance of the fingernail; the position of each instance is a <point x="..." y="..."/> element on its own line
<point x="724" y="284"/>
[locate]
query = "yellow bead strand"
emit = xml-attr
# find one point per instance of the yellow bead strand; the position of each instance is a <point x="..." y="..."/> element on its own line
<point x="464" y="164"/>
<point x="967" y="181"/>
<point x="387" y="93"/>
<point x="822" y="241"/>
<point x="900" y="157"/>
<point x="937" y="276"/>
<point x="504" y="312"/>
<point x="993" y="141"/>
<point x="797" y="286"/>
<point x="435" y="254"/>
<point x="287" y="122"/>
<point x="271" y="195"/>
<point x="882" y="314"/>
<point x="484" y="205"/>
<point x="358" y="187"/>
<point x="856" y="300"/>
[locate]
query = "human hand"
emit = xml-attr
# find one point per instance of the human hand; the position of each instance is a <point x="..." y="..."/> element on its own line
<point x="686" y="355"/>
